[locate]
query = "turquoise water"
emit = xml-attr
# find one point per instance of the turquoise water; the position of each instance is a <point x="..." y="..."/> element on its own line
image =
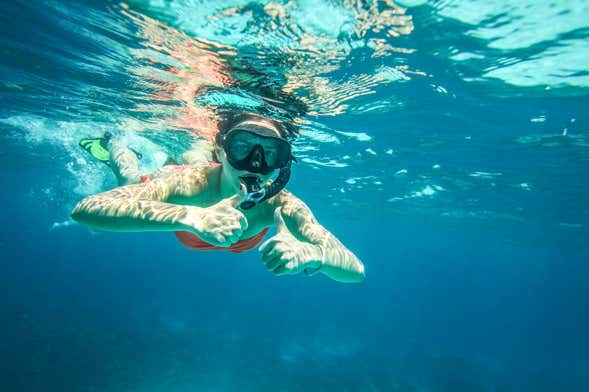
<point x="445" y="143"/>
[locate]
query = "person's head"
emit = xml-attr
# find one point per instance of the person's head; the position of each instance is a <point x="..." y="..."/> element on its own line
<point x="254" y="146"/>
<point x="252" y="150"/>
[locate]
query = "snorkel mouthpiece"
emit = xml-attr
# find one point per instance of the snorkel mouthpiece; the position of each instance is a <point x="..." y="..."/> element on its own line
<point x="253" y="190"/>
<point x="255" y="193"/>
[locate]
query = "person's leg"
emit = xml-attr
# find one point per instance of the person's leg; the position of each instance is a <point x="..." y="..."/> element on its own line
<point x="200" y="153"/>
<point x="124" y="162"/>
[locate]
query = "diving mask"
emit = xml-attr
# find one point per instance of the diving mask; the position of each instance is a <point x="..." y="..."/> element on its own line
<point x="255" y="149"/>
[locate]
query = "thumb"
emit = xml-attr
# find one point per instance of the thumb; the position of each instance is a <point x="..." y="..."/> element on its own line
<point x="279" y="221"/>
<point x="234" y="200"/>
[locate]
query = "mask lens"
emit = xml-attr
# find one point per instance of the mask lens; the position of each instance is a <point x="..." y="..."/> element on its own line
<point x="239" y="147"/>
<point x="241" y="143"/>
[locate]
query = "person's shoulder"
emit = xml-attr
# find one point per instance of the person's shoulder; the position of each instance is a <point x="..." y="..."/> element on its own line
<point x="265" y="211"/>
<point x="183" y="171"/>
<point x="186" y="179"/>
<point x="291" y="205"/>
<point x="280" y="198"/>
<point x="285" y="198"/>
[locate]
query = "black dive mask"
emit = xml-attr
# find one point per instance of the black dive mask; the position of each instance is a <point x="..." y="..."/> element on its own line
<point x="255" y="149"/>
<point x="254" y="162"/>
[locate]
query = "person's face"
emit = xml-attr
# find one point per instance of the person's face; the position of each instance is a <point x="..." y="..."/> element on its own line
<point x="234" y="174"/>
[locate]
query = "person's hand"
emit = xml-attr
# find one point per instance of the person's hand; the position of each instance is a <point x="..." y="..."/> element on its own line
<point x="284" y="254"/>
<point x="221" y="224"/>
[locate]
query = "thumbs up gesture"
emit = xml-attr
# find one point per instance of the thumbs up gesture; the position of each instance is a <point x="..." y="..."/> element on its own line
<point x="284" y="254"/>
<point x="221" y="224"/>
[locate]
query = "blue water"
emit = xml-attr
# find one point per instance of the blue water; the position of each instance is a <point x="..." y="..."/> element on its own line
<point x="445" y="143"/>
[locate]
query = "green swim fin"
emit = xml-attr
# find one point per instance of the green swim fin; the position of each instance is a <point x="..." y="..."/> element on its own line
<point x="97" y="148"/>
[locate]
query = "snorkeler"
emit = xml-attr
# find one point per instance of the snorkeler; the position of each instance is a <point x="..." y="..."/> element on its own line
<point x="230" y="205"/>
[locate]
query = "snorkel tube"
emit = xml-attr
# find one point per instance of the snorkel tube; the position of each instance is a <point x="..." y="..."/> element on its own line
<point x="256" y="194"/>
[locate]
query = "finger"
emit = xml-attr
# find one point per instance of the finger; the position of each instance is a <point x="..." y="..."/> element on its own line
<point x="234" y="229"/>
<point x="268" y="245"/>
<point x="272" y="251"/>
<point x="217" y="239"/>
<point x="291" y="266"/>
<point x="243" y="221"/>
<point x="276" y="247"/>
<point x="232" y="239"/>
<point x="223" y="240"/>
<point x="238" y="216"/>
<point x="234" y="234"/>
<point x="273" y="262"/>
<point x="280" y="270"/>
<point x="235" y="200"/>
<point x="279" y="221"/>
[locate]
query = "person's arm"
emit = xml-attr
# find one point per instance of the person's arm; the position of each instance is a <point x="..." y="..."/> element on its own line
<point x="332" y="257"/>
<point x="143" y="207"/>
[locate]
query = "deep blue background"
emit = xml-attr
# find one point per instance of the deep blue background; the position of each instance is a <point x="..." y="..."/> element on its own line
<point x="450" y="302"/>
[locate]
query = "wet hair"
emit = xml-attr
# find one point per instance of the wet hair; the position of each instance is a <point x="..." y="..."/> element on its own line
<point x="287" y="130"/>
